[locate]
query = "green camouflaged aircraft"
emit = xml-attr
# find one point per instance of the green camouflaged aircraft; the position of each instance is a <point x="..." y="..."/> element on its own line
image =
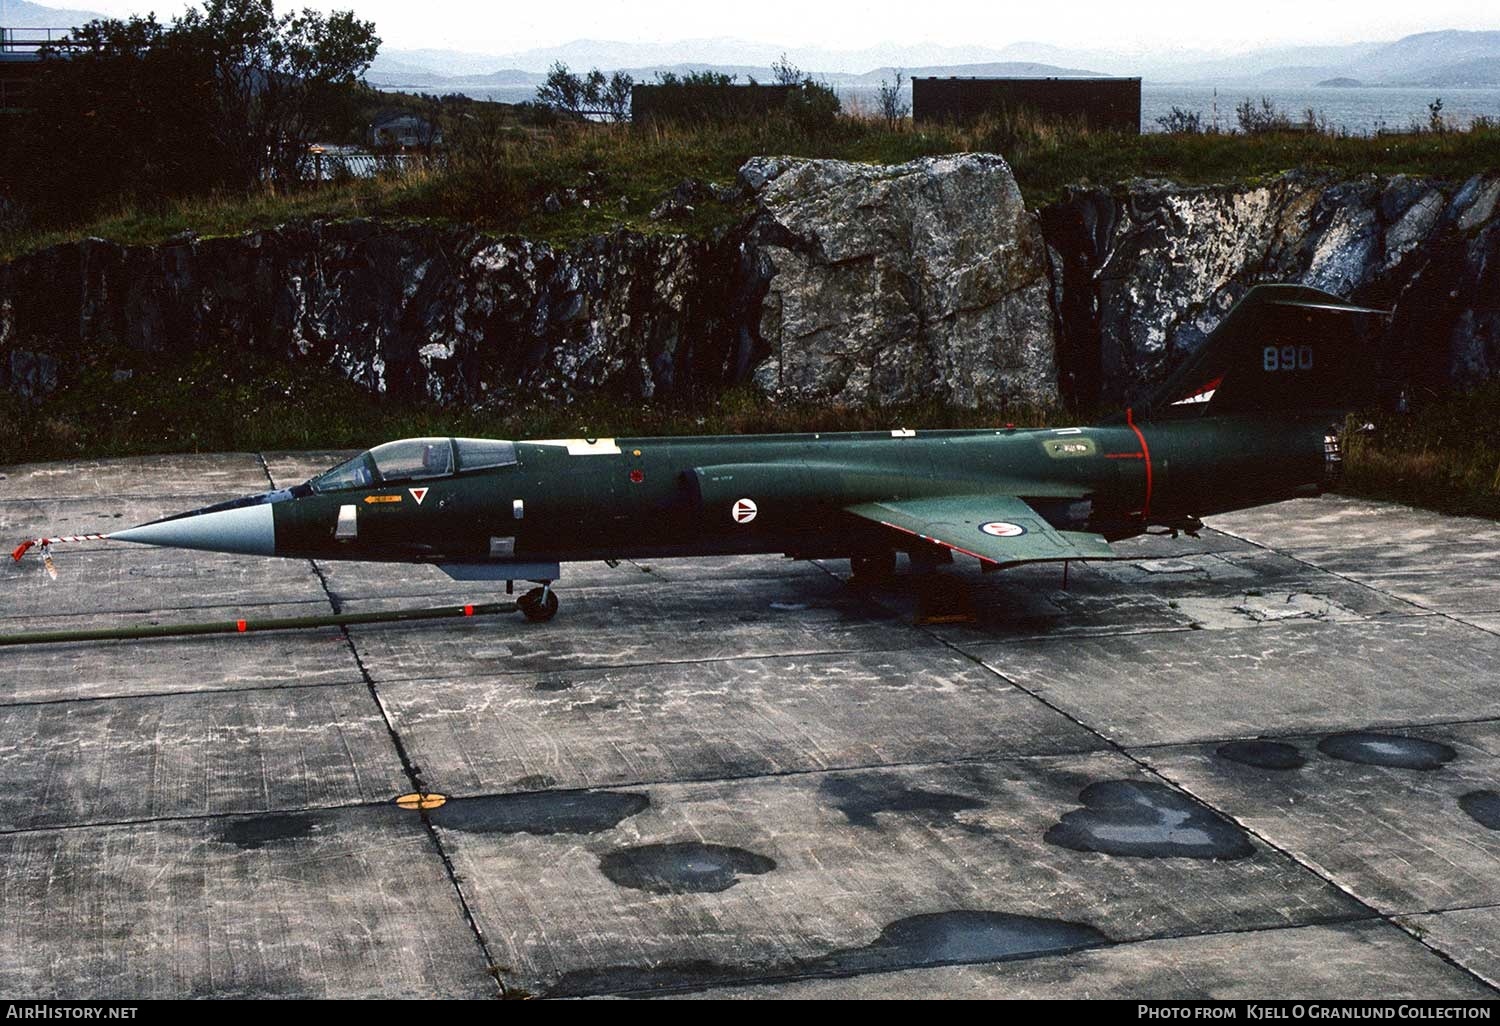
<point x="1251" y="418"/>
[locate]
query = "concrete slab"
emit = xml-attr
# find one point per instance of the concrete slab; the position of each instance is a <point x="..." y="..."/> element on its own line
<point x="1291" y="677"/>
<point x="229" y="662"/>
<point x="1027" y="602"/>
<point x="353" y="581"/>
<point x="122" y="578"/>
<point x="747" y="877"/>
<point x="723" y="772"/>
<point x="720" y="719"/>
<point x="192" y="755"/>
<point x="1448" y="564"/>
<point x="21" y="519"/>
<point x="1471" y="937"/>
<point x="338" y="903"/>
<point x="1398" y="837"/>
<point x="803" y="615"/>
<point x="1314" y="963"/>
<point x="188" y="474"/>
<point x="1484" y="621"/>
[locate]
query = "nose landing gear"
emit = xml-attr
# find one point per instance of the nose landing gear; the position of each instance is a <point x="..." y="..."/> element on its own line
<point x="539" y="604"/>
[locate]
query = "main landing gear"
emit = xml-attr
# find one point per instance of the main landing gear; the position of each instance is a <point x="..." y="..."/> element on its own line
<point x="873" y="568"/>
<point x="539" y="604"/>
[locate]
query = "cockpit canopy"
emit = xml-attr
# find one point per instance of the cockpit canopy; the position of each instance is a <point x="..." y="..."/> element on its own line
<point x="416" y="459"/>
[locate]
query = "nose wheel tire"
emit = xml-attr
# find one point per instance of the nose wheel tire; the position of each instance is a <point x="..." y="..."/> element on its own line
<point x="539" y="604"/>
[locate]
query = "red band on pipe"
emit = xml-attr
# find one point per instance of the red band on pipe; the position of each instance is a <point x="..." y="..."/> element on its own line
<point x="241" y="626"/>
<point x="468" y="610"/>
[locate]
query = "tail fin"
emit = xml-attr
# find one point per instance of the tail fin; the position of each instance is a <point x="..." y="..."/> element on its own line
<point x="1283" y="348"/>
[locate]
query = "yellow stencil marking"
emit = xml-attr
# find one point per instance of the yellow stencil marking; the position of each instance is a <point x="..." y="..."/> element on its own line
<point x="382" y="498"/>
<point x="421" y="800"/>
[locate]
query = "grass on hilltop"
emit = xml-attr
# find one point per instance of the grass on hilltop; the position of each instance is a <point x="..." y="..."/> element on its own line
<point x="497" y="178"/>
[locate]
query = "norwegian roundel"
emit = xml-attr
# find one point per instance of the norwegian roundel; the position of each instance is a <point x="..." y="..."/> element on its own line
<point x="1000" y="529"/>
<point x="744" y="511"/>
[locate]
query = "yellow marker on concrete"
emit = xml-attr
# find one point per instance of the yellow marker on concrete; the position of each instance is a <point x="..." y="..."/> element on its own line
<point x="420" y="800"/>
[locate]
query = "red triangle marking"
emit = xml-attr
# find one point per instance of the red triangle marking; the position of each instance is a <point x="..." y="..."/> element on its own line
<point x="419" y="494"/>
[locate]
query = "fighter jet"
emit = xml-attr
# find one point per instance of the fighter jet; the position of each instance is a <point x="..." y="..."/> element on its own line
<point x="1252" y="417"/>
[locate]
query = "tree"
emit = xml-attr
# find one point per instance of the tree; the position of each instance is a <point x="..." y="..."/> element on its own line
<point x="578" y="95"/>
<point x="227" y="96"/>
<point x="615" y="99"/>
<point x="893" y="106"/>
<point x="562" y="90"/>
<point x="126" y="115"/>
<point x="270" y="74"/>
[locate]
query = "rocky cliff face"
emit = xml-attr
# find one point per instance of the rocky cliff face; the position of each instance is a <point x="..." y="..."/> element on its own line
<point x="845" y="283"/>
<point x="848" y="283"/>
<point x="926" y="280"/>
<point x="1147" y="269"/>
<point x="415" y="312"/>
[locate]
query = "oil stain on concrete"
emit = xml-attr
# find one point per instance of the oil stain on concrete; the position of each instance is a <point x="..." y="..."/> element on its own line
<point x="251" y="832"/>
<point x="1391" y="750"/>
<point x="1147" y="820"/>
<point x="861" y="798"/>
<point x="961" y="937"/>
<point x="1271" y="755"/>
<point x="1483" y="806"/>
<point x="541" y="812"/>
<point x="688" y="867"/>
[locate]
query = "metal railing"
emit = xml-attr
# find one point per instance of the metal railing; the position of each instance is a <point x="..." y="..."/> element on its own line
<point x="29" y="41"/>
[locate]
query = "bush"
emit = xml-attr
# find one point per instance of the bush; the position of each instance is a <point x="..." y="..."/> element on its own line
<point x="1181" y="122"/>
<point x="1259" y="119"/>
<point x="814" y="106"/>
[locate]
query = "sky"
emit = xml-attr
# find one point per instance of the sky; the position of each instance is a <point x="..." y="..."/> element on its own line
<point x="484" y="26"/>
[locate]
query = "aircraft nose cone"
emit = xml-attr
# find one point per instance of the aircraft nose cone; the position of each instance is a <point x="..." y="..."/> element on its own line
<point x="248" y="530"/>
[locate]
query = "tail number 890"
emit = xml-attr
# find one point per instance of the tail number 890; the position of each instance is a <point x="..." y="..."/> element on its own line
<point x="1287" y="358"/>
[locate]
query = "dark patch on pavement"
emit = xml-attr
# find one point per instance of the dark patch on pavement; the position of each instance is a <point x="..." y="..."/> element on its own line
<point x="1271" y="755"/>
<point x="687" y="867"/>
<point x="1386" y="750"/>
<point x="1150" y="820"/>
<point x="940" y="938"/>
<point x="860" y="798"/>
<point x="541" y="812"/>
<point x="1483" y="806"/>
<point x="534" y="782"/>
<point x="253" y="832"/>
<point x="552" y="685"/>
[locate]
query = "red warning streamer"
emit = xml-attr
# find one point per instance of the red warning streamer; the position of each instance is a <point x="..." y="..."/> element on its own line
<point x="44" y="542"/>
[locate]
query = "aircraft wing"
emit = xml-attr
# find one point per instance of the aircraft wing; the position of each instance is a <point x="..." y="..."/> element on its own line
<point x="997" y="530"/>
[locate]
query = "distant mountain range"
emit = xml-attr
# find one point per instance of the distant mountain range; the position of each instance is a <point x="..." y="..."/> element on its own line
<point x="21" y="14"/>
<point x="402" y="74"/>
<point x="1445" y="59"/>
<point x="1440" y="59"/>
